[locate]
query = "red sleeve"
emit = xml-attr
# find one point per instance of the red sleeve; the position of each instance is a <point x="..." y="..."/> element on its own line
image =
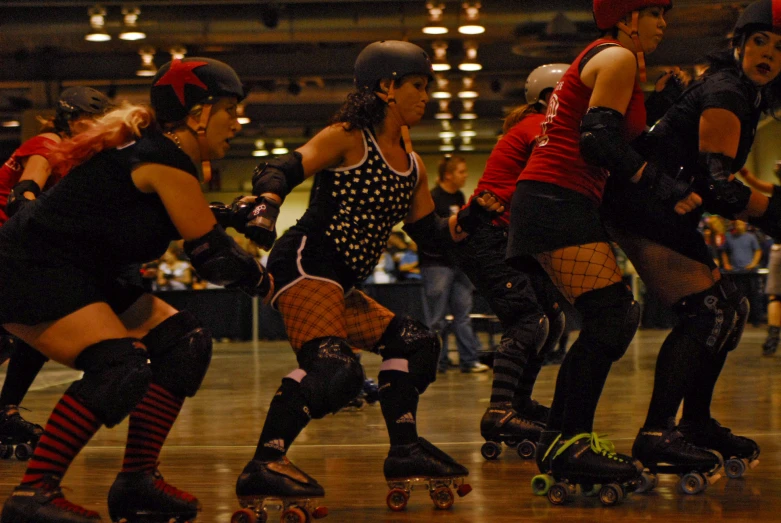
<point x="39" y="145"/>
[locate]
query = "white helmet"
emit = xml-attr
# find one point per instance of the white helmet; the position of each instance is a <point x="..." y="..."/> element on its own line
<point x="544" y="77"/>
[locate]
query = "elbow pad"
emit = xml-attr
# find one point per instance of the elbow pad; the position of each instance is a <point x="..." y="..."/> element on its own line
<point x="278" y="176"/>
<point x="16" y="199"/>
<point x="722" y="196"/>
<point x="431" y="233"/>
<point x="218" y="258"/>
<point x="602" y="143"/>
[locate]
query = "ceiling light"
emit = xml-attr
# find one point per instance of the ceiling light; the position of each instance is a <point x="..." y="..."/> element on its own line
<point x="466" y="147"/>
<point x="279" y="147"/>
<point x="468" y="133"/>
<point x="471" y="24"/>
<point x="148" y="67"/>
<point x="440" y="63"/>
<point x="447" y="147"/>
<point x="97" y="22"/>
<point x="468" y="90"/>
<point x="469" y="110"/>
<point x="131" y="30"/>
<point x="260" y="152"/>
<point x="434" y="26"/>
<point x="447" y="134"/>
<point x="242" y="119"/>
<point x="260" y="144"/>
<point x="444" y="113"/>
<point x="178" y="52"/>
<point x="441" y="92"/>
<point x="446" y="125"/>
<point x="470" y="62"/>
<point x="11" y="123"/>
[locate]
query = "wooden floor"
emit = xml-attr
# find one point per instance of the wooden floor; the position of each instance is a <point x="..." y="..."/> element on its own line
<point x="216" y="434"/>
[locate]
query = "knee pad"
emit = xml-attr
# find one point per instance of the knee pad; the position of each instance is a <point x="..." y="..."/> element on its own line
<point x="610" y="319"/>
<point x="712" y="317"/>
<point x="180" y="350"/>
<point x="406" y="338"/>
<point x="525" y="338"/>
<point x="334" y="375"/>
<point x="116" y="377"/>
<point x="557" y="322"/>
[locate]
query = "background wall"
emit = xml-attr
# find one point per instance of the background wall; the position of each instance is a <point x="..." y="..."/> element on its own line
<point x="766" y="151"/>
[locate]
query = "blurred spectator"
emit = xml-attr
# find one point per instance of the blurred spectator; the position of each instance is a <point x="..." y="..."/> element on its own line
<point x="742" y="254"/>
<point x="173" y="272"/>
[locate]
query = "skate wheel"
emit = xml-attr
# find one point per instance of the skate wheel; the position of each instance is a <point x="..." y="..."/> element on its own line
<point x="735" y="468"/>
<point x="490" y="450"/>
<point x="397" y="499"/>
<point x="293" y="515"/>
<point x="558" y="494"/>
<point x="23" y="452"/>
<point x="693" y="483"/>
<point x="646" y="482"/>
<point x="611" y="494"/>
<point x="320" y="512"/>
<point x="541" y="484"/>
<point x="527" y="449"/>
<point x="442" y="497"/>
<point x="244" y="515"/>
<point x="463" y="490"/>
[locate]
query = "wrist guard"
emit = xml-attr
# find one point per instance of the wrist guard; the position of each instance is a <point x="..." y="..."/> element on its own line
<point x="17" y="199"/>
<point x="431" y="233"/>
<point x="278" y="176"/>
<point x="602" y="143"/>
<point x="724" y="196"/>
<point x="473" y="216"/>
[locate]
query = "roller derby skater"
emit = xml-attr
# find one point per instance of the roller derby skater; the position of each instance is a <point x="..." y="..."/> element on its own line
<point x="140" y="357"/>
<point x="316" y="265"/>
<point x="524" y="300"/>
<point x="584" y="136"/>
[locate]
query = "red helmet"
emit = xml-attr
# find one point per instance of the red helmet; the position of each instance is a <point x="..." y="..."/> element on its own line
<point x="608" y="13"/>
<point x="761" y="15"/>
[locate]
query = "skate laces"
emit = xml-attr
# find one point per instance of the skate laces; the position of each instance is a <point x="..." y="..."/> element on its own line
<point x="598" y="443"/>
<point x="64" y="504"/>
<point x="166" y="488"/>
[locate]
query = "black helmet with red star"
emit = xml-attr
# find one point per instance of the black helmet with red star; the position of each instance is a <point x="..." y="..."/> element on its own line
<point x="181" y="84"/>
<point x="762" y="15"/>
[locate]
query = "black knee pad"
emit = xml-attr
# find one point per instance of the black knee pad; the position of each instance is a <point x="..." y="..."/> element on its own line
<point x="408" y="339"/>
<point x="180" y="349"/>
<point x="334" y="375"/>
<point x="610" y="319"/>
<point x="713" y="316"/>
<point x="557" y="322"/>
<point x="525" y="338"/>
<point x="116" y="377"/>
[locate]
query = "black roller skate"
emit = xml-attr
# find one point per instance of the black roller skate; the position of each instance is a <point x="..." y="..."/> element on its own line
<point x="145" y="497"/>
<point x="44" y="504"/>
<point x="738" y="452"/>
<point x="504" y="425"/>
<point x="586" y="460"/>
<point x="371" y="391"/>
<point x="667" y="451"/>
<point x="18" y="437"/>
<point x="277" y="485"/>
<point x="422" y="464"/>
<point x="532" y="410"/>
<point x="771" y="342"/>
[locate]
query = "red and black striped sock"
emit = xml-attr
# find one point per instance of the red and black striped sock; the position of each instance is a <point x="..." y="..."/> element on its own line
<point x="150" y="423"/>
<point x="69" y="428"/>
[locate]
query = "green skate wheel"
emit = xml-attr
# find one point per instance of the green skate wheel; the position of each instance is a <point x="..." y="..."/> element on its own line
<point x="541" y="484"/>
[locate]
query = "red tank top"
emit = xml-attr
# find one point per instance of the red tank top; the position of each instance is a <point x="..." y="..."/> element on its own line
<point x="12" y="169"/>
<point x="506" y="162"/>
<point x="556" y="158"/>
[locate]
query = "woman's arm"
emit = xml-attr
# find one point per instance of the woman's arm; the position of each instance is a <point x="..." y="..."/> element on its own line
<point x="756" y="183"/>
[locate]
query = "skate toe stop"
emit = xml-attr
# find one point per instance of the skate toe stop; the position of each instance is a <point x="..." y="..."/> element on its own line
<point x="753" y="464"/>
<point x="464" y="489"/>
<point x="714" y="478"/>
<point x="320" y="512"/>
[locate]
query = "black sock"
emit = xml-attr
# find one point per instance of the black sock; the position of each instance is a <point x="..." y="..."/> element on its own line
<point x="585" y="381"/>
<point x="23" y="367"/>
<point x="399" y="403"/>
<point x="676" y="362"/>
<point x="287" y="416"/>
<point x="700" y="385"/>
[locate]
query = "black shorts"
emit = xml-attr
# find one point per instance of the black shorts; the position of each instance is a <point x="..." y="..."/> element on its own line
<point x="31" y="294"/>
<point x="634" y="210"/>
<point x="301" y="254"/>
<point x="545" y="217"/>
<point x="511" y="293"/>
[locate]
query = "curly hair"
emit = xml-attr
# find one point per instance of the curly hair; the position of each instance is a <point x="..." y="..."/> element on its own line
<point x="362" y="110"/>
<point x="519" y="113"/>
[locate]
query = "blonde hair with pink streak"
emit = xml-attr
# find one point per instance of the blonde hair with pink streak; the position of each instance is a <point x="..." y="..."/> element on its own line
<point x="110" y="130"/>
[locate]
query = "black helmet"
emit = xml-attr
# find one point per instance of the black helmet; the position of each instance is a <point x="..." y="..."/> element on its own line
<point x="74" y="102"/>
<point x="181" y="84"/>
<point x="391" y="59"/>
<point x="762" y="15"/>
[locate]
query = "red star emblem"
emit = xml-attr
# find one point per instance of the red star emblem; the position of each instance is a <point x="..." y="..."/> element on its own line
<point x="180" y="74"/>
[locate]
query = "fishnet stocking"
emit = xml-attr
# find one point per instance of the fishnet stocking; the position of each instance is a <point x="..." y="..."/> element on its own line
<point x="581" y="268"/>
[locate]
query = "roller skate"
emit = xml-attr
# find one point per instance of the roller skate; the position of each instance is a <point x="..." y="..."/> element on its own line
<point x="585" y="460"/>
<point x="669" y="452"/>
<point x="145" y="497"/>
<point x="738" y="452"/>
<point x="277" y="485"/>
<point x="44" y="504"/>
<point x="532" y="410"/>
<point x="504" y="425"/>
<point x="771" y="342"/>
<point x="421" y="464"/>
<point x="18" y="437"/>
<point x="371" y="391"/>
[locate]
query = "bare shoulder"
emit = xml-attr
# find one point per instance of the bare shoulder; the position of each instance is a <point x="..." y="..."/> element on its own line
<point x="51" y="136"/>
<point x="611" y="61"/>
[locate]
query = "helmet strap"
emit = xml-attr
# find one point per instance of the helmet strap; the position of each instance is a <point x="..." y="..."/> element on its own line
<point x="199" y="128"/>
<point x="635" y="36"/>
<point x="394" y="110"/>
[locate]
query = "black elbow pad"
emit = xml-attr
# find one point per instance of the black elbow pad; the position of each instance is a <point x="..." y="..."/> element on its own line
<point x="278" y="176"/>
<point x="722" y="196"/>
<point x="431" y="233"/>
<point x="602" y="143"/>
